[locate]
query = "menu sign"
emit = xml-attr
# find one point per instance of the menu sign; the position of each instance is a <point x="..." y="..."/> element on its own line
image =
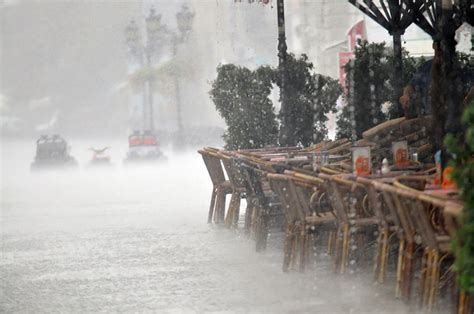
<point x="400" y="154"/>
<point x="361" y="162"/>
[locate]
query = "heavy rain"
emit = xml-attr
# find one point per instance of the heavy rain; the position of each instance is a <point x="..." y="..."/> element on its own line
<point x="237" y="156"/>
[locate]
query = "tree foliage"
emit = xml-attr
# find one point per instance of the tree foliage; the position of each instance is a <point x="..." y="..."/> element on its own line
<point x="310" y="98"/>
<point x="299" y="89"/>
<point x="327" y="91"/>
<point x="461" y="148"/>
<point x="345" y="123"/>
<point x="370" y="86"/>
<point x="367" y="86"/>
<point x="241" y="97"/>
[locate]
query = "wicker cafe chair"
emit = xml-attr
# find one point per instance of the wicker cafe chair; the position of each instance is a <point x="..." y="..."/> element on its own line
<point x="393" y="221"/>
<point x="221" y="186"/>
<point x="388" y="224"/>
<point x="239" y="188"/>
<point x="265" y="205"/>
<point x="296" y="196"/>
<point x="320" y="216"/>
<point x="279" y="186"/>
<point x="350" y="217"/>
<point x="403" y="203"/>
<point x="426" y="214"/>
<point x="416" y="228"/>
<point x="392" y="213"/>
<point x="399" y="207"/>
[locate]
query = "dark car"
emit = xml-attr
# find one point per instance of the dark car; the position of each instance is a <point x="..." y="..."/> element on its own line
<point x="52" y="151"/>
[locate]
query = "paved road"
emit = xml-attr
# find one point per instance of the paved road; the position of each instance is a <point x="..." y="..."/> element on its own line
<point x="137" y="241"/>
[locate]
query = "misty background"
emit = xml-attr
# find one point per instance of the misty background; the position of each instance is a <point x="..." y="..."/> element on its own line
<point x="124" y="238"/>
<point x="63" y="64"/>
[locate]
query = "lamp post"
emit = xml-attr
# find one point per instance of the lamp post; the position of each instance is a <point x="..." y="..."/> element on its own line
<point x="286" y="128"/>
<point x="154" y="33"/>
<point x="134" y="42"/>
<point x="142" y="52"/>
<point x="286" y="136"/>
<point x="184" y="20"/>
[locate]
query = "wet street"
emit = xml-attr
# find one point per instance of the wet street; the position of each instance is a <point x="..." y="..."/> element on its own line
<point x="136" y="240"/>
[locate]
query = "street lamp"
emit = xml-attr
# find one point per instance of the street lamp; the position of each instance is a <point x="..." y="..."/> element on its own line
<point x="155" y="35"/>
<point x="286" y="137"/>
<point x="184" y="21"/>
<point x="143" y="51"/>
<point x="133" y="40"/>
<point x="155" y="31"/>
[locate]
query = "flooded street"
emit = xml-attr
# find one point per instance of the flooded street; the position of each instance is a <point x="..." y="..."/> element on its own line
<point x="347" y="125"/>
<point x="137" y="240"/>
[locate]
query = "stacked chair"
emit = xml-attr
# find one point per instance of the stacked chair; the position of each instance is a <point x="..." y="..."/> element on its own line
<point x="361" y="219"/>
<point x="220" y="185"/>
<point x="299" y="198"/>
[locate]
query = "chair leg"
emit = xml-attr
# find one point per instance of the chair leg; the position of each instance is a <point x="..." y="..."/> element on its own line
<point x="408" y="271"/>
<point x="378" y="256"/>
<point x="423" y="278"/>
<point x="434" y="279"/>
<point x="303" y="241"/>
<point x="261" y="232"/>
<point x="294" y="247"/>
<point x="229" y="218"/>
<point x="220" y="206"/>
<point x="235" y="221"/>
<point x="399" y="269"/>
<point x="426" y="279"/>
<point x="345" y="248"/>
<point x="334" y="237"/>
<point x="383" y="257"/>
<point x="217" y="206"/>
<point x="337" y="254"/>
<point x="212" y="207"/>
<point x="254" y="219"/>
<point x="330" y="242"/>
<point x="309" y="246"/>
<point x="287" y="248"/>
<point x="248" y="215"/>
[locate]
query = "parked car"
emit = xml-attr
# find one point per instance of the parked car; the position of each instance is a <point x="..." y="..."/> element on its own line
<point x="143" y="147"/>
<point x="52" y="151"/>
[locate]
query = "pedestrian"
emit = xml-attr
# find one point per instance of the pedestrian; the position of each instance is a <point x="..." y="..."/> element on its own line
<point x="416" y="100"/>
<point x="418" y="93"/>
